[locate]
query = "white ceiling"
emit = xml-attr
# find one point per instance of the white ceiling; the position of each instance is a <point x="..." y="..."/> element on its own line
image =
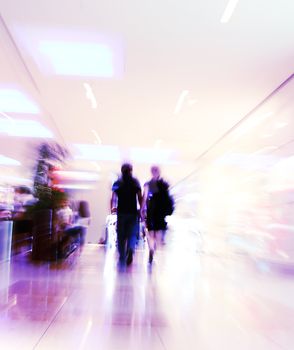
<point x="167" y="47"/>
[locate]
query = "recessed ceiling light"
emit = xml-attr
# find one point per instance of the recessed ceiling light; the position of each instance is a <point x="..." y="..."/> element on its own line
<point x="98" y="139"/>
<point x="230" y="8"/>
<point x="90" y="95"/>
<point x="180" y="101"/>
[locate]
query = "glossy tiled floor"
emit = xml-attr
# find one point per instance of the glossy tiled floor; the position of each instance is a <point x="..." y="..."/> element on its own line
<point x="187" y="300"/>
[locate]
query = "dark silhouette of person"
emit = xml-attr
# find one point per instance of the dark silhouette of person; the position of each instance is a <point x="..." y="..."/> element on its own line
<point x="126" y="194"/>
<point x="154" y="201"/>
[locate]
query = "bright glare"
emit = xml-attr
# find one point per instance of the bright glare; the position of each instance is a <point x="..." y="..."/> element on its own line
<point x="79" y="59"/>
<point x="152" y="155"/>
<point x="8" y="161"/>
<point x="97" y="152"/>
<point x="14" y="101"/>
<point x="24" y="128"/>
<point x="77" y="175"/>
<point x="250" y="124"/>
<point x="75" y="186"/>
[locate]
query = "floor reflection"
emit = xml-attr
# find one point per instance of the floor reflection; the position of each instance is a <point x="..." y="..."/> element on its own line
<point x="184" y="300"/>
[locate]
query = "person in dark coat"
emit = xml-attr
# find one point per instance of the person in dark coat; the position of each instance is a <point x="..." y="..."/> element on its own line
<point x="126" y="195"/>
<point x="154" y="208"/>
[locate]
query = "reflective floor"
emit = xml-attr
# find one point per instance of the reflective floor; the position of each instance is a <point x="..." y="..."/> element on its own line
<point x="186" y="300"/>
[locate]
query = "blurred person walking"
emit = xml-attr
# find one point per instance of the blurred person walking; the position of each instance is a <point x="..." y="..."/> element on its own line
<point x="126" y="194"/>
<point x="156" y="205"/>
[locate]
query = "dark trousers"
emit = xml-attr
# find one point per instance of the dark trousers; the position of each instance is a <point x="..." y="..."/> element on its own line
<point x="126" y="233"/>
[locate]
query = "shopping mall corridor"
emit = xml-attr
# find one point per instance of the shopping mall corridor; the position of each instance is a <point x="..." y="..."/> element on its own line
<point x="185" y="300"/>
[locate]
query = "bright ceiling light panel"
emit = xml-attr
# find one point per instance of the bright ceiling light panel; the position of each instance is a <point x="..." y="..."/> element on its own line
<point x="75" y="186"/>
<point x="8" y="161"/>
<point x="78" y="58"/>
<point x="14" y="101"/>
<point x="229" y="10"/>
<point x="77" y="175"/>
<point x="72" y="52"/>
<point x="15" y="180"/>
<point x="97" y="152"/>
<point x="152" y="156"/>
<point x="246" y="161"/>
<point x="24" y="128"/>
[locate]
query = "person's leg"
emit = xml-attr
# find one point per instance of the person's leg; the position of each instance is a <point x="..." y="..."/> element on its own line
<point x="138" y="227"/>
<point x="163" y="234"/>
<point x="151" y="239"/>
<point x="74" y="233"/>
<point x="121" y="236"/>
<point x="162" y="226"/>
<point x="132" y="229"/>
<point x="83" y="233"/>
<point x="158" y="224"/>
<point x="158" y="235"/>
<point x="150" y="230"/>
<point x="151" y="226"/>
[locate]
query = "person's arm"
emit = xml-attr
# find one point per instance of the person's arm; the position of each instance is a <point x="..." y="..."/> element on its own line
<point x="113" y="203"/>
<point x="140" y="198"/>
<point x="144" y="201"/>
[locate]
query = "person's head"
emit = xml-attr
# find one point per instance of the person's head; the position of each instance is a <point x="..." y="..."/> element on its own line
<point x="155" y="171"/>
<point x="126" y="170"/>
<point x="64" y="203"/>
